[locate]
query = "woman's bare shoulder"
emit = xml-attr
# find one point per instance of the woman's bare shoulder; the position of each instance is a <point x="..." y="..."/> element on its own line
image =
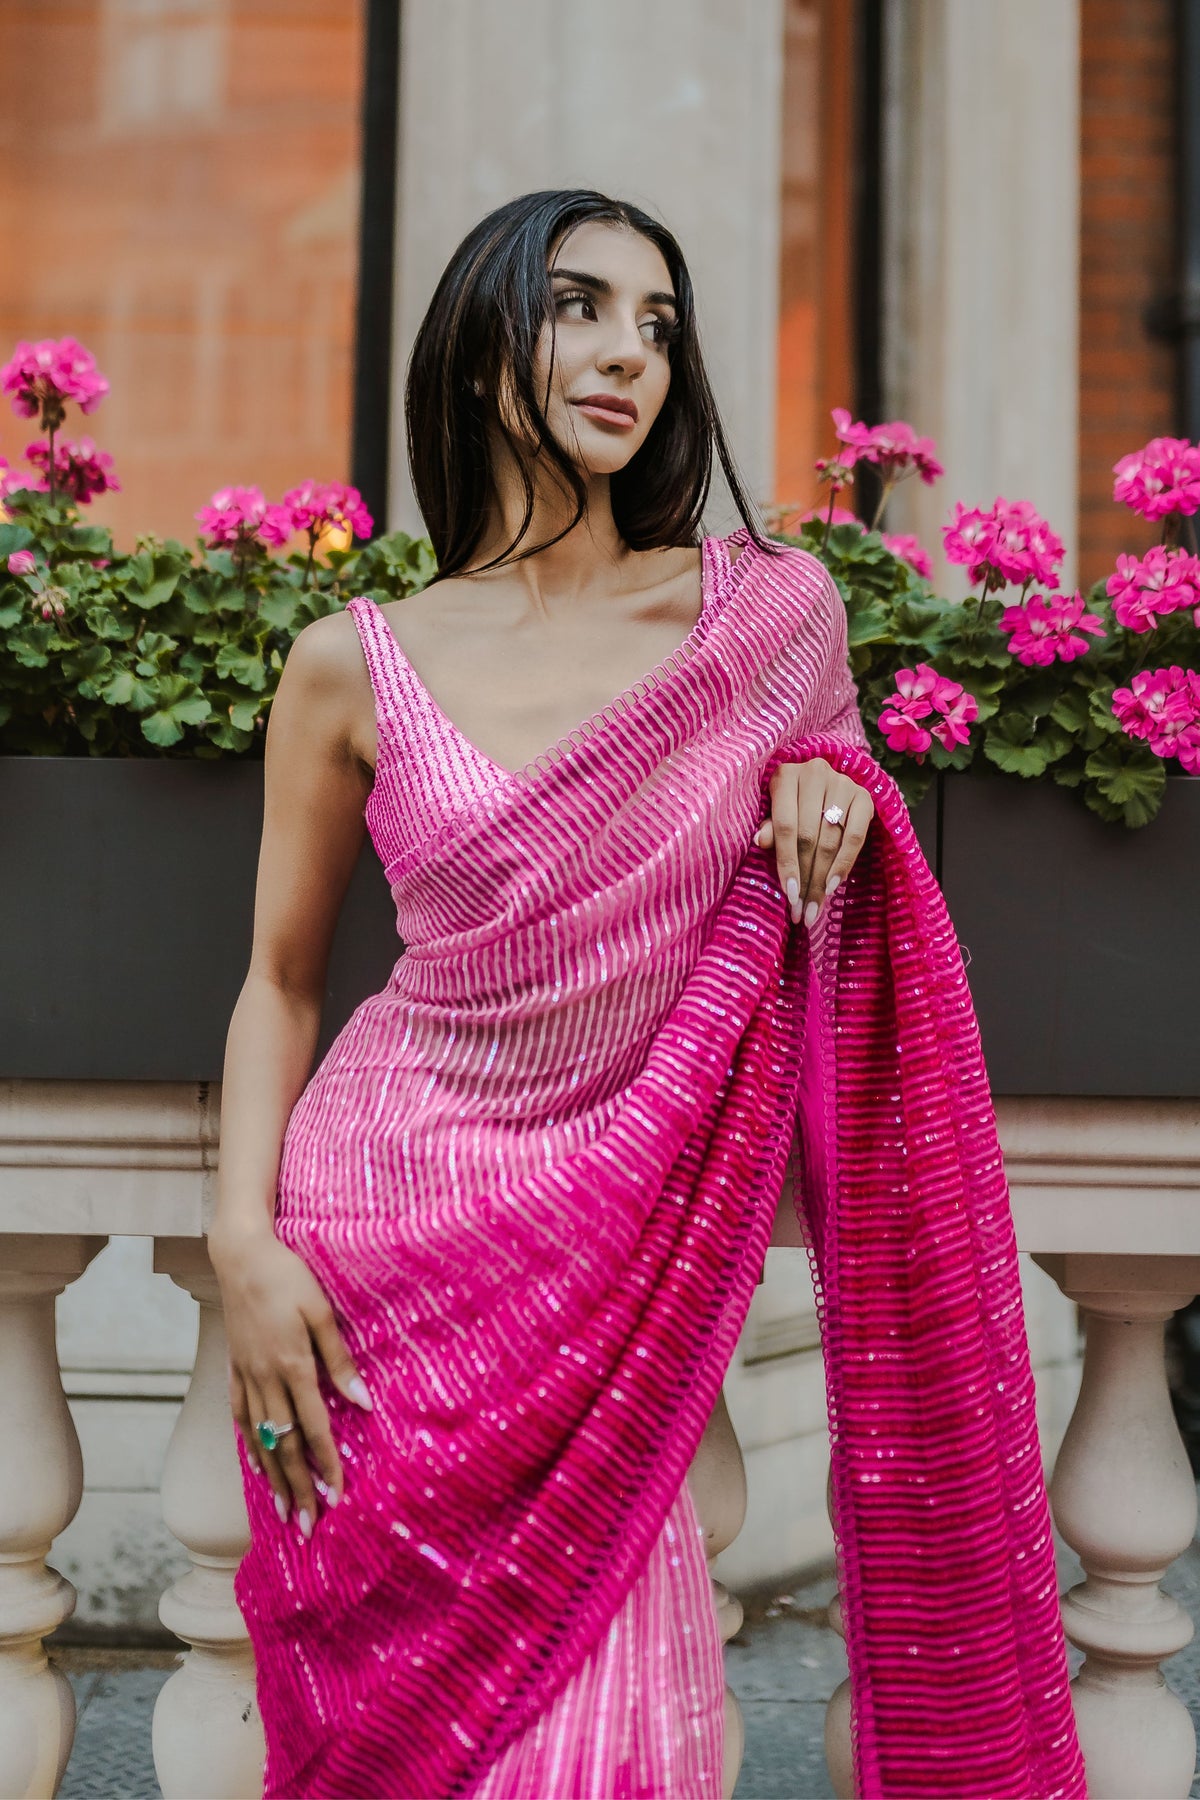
<point x="325" y="682"/>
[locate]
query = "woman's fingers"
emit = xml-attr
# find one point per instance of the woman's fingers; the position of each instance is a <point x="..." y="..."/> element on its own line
<point x="813" y="854"/>
<point x="240" y="1408"/>
<point x="266" y="1459"/>
<point x="290" y="1452"/>
<point x="854" y="835"/>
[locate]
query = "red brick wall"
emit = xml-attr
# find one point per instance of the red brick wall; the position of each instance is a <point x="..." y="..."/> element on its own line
<point x="1128" y="380"/>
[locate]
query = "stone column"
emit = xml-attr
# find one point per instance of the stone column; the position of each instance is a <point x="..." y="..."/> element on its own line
<point x="208" y="1735"/>
<point x="981" y="248"/>
<point x="1124" y="1498"/>
<point x="674" y="106"/>
<point x="41" y="1484"/>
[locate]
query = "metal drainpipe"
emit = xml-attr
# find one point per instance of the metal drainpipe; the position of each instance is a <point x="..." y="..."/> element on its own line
<point x="1187" y="26"/>
<point x="371" y="427"/>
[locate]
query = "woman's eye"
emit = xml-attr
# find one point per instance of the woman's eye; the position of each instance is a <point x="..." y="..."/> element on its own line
<point x="666" y="330"/>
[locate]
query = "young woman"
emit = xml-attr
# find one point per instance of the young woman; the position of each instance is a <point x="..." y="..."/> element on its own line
<point x="483" y="1270"/>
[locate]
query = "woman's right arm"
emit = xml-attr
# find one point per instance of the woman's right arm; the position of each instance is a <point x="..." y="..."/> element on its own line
<point x="276" y="1314"/>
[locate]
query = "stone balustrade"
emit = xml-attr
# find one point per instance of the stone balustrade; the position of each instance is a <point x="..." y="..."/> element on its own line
<point x="1104" y="1195"/>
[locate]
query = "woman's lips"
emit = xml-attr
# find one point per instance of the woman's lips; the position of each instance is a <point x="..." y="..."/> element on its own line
<point x="606" y="415"/>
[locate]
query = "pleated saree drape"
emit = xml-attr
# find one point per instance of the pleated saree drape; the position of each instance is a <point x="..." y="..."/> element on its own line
<point x="537" y="1176"/>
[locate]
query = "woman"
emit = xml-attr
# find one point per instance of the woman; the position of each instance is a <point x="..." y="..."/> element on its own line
<point x="483" y="1271"/>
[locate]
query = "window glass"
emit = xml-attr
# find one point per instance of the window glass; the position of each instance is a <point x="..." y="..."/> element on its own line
<point x="815" y="350"/>
<point x="181" y="194"/>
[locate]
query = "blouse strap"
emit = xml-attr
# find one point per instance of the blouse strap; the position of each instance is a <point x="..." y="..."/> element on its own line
<point x="385" y="666"/>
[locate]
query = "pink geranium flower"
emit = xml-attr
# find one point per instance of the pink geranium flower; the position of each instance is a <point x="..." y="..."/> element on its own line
<point x="925" y="706"/>
<point x="1048" y="628"/>
<point x="837" y="515"/>
<point x="909" y="550"/>
<point x="80" y="470"/>
<point x="1011" y="542"/>
<point x="316" y="506"/>
<point x="43" y="376"/>
<point x="1145" y="589"/>
<point x="22" y="562"/>
<point x="1162" y="708"/>
<point x="233" y="516"/>
<point x="1161" y="478"/>
<point x="894" y="448"/>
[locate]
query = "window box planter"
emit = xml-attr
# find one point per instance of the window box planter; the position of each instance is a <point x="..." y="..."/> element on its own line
<point x="1081" y="936"/>
<point x="127" y="908"/>
<point x="126" y="914"/>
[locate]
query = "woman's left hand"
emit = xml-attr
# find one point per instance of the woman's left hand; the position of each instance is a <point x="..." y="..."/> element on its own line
<point x="814" y="856"/>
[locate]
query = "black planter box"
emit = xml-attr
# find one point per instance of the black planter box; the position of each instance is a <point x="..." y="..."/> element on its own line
<point x="126" y="916"/>
<point x="1083" y="938"/>
<point x="127" y="904"/>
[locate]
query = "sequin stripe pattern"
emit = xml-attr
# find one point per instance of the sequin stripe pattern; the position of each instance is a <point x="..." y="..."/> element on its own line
<point x="522" y="1596"/>
<point x="413" y="1241"/>
<point x="423" y="758"/>
<point x="958" y="1662"/>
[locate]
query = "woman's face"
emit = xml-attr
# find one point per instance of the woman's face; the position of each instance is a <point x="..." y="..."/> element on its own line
<point x="614" y="314"/>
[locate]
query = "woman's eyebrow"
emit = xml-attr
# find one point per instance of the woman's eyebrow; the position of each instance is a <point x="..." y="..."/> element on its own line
<point x="599" y="286"/>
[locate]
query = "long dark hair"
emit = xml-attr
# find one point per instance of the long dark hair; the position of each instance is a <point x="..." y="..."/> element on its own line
<point x="483" y="324"/>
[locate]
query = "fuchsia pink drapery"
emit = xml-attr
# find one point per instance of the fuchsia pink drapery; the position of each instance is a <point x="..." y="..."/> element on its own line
<point x="537" y="1176"/>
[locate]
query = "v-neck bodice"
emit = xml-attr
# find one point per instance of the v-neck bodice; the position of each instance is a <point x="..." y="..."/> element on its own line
<point x="426" y="768"/>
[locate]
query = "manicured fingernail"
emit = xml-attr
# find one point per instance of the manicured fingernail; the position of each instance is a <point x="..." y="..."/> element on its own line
<point x="357" y="1390"/>
<point x="810" y="913"/>
<point x="832" y="885"/>
<point x="793" y="890"/>
<point x="281" y="1508"/>
<point x="305" y="1523"/>
<point x="320" y="1487"/>
<point x="331" y="1496"/>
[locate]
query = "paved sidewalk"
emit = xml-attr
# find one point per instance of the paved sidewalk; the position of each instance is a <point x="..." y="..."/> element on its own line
<point x="783" y="1665"/>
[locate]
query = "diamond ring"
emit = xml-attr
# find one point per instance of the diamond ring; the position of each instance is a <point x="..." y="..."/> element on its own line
<point x="269" y="1434"/>
<point x="833" y="815"/>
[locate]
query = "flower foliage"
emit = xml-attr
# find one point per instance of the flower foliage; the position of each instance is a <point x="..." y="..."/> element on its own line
<point x="173" y="650"/>
<point x="1021" y="677"/>
<point x="81" y="471"/>
<point x="1161" y="479"/>
<point x="42" y="377"/>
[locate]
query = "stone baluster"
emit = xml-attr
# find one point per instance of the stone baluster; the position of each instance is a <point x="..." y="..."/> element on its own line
<point x="717" y="1479"/>
<point x="41" y="1484"/>
<point x="1124" y="1498"/>
<point x="208" y="1735"/>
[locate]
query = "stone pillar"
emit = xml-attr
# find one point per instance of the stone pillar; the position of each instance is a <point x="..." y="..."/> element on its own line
<point x="41" y="1484"/>
<point x="208" y="1735"/>
<point x="981" y="249"/>
<point x="675" y="107"/>
<point x="1124" y="1498"/>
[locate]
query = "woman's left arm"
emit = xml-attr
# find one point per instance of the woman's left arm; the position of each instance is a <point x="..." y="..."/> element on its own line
<point x="819" y="819"/>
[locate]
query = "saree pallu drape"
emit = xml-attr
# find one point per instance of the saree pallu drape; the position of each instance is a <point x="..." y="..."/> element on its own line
<point x="537" y="1176"/>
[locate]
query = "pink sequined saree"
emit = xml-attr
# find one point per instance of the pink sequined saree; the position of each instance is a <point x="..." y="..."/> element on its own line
<point x="537" y="1175"/>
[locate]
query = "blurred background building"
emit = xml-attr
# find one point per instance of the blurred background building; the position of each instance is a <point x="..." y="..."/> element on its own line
<point x="965" y="213"/>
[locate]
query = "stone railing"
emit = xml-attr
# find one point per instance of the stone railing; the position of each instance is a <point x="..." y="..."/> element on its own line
<point x="1105" y="1197"/>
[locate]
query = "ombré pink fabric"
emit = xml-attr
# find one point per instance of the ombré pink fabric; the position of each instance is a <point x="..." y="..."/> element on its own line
<point x="537" y="1174"/>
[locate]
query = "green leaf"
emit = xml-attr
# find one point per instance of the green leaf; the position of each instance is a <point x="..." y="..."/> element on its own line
<point x="244" y="666"/>
<point x="866" y="624"/>
<point x="126" y="690"/>
<point x="279" y="610"/>
<point x="1017" y="746"/>
<point x="14" y="537"/>
<point x="1127" y="775"/>
<point x="179" y="703"/>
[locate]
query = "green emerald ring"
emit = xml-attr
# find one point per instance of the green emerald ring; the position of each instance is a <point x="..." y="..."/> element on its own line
<point x="269" y="1434"/>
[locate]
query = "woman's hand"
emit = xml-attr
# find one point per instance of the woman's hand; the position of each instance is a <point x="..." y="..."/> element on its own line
<point x="278" y="1320"/>
<point x="814" y="856"/>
